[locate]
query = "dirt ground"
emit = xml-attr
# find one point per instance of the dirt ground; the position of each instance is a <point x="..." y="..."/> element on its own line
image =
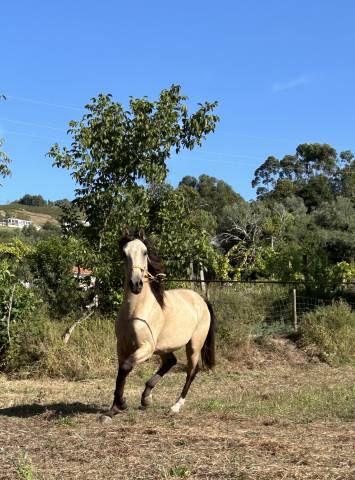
<point x="273" y="423"/>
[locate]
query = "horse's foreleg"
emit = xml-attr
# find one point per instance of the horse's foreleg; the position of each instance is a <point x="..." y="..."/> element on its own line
<point x="126" y="365"/>
<point x="192" y="369"/>
<point x="168" y="361"/>
<point x="119" y="403"/>
<point x="143" y="353"/>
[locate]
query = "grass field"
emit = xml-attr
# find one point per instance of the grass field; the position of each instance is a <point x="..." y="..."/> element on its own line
<point x="269" y="423"/>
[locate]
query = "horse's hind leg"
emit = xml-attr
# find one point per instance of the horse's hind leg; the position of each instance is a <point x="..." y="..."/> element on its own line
<point x="168" y="361"/>
<point x="193" y="356"/>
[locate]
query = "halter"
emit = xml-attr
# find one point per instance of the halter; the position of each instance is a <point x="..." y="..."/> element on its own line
<point x="142" y="269"/>
<point x="148" y="275"/>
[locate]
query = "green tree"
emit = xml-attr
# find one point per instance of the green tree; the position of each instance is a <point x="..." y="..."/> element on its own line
<point x="335" y="222"/>
<point x="166" y="217"/>
<point x="266" y="175"/>
<point x="345" y="182"/>
<point x="114" y="148"/>
<point x="241" y="233"/>
<point x="16" y="301"/>
<point x="209" y="193"/>
<point x="312" y="173"/>
<point x="52" y="265"/>
<point x="118" y="159"/>
<point x="32" y="200"/>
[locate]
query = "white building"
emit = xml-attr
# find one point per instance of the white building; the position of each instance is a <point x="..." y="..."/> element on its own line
<point x="15" y="222"/>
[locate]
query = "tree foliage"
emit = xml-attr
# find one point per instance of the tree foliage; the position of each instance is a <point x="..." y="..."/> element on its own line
<point x="114" y="148"/>
<point x="209" y="193"/>
<point x="52" y="265"/>
<point x="315" y="173"/>
<point x="17" y="302"/>
<point x="32" y="200"/>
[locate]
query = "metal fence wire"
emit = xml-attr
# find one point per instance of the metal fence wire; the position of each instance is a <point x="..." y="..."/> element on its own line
<point x="263" y="303"/>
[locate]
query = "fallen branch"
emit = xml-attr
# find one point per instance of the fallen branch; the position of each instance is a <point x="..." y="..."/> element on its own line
<point x="72" y="327"/>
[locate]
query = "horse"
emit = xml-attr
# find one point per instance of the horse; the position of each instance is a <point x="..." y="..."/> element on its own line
<point x="153" y="320"/>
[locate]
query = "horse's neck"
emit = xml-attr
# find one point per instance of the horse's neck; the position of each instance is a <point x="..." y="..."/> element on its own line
<point x="138" y="305"/>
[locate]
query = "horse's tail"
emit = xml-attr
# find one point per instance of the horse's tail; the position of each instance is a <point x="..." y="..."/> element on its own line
<point x="208" y="352"/>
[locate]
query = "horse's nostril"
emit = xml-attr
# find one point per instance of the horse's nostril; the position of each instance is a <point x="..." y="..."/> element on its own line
<point x="130" y="284"/>
<point x="141" y="283"/>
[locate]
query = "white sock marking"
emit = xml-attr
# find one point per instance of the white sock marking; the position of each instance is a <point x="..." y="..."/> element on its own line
<point x="176" y="408"/>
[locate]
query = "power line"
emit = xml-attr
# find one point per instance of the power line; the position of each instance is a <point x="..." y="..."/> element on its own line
<point x="10" y="132"/>
<point x="237" y="134"/>
<point x="42" y="102"/>
<point x="215" y="161"/>
<point x="30" y="124"/>
<point x="257" y="137"/>
<point x="223" y="154"/>
<point x="72" y="107"/>
<point x="273" y="139"/>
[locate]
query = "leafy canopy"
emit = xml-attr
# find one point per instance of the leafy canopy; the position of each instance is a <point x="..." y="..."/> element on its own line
<point x="315" y="173"/>
<point x="114" y="148"/>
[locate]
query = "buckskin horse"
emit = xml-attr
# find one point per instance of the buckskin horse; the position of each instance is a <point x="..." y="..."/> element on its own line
<point x="157" y="321"/>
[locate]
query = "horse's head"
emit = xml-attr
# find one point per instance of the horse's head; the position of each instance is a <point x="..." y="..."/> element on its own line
<point x="135" y="254"/>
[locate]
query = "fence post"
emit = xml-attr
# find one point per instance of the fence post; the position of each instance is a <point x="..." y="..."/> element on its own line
<point x="294" y="310"/>
<point x="191" y="270"/>
<point x="203" y="283"/>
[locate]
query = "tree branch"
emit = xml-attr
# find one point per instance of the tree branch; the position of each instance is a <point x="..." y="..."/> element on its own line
<point x="9" y="312"/>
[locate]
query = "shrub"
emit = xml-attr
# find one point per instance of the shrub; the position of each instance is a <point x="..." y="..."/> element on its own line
<point x="51" y="264"/>
<point x="27" y="335"/>
<point x="17" y="304"/>
<point x="329" y="333"/>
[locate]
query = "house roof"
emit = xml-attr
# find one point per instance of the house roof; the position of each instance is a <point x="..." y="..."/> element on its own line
<point x="82" y="272"/>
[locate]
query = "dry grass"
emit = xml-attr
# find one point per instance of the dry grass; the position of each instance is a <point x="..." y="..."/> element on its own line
<point x="274" y="423"/>
<point x="39" y="215"/>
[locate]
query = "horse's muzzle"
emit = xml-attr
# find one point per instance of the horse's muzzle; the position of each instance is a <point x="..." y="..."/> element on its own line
<point x="136" y="287"/>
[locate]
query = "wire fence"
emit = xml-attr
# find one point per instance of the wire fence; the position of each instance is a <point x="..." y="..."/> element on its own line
<point x="266" y="302"/>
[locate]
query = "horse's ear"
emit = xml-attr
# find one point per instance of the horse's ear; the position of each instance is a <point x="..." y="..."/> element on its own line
<point x="141" y="234"/>
<point x="125" y="232"/>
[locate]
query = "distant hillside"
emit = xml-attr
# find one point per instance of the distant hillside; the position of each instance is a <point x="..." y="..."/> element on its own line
<point x="37" y="215"/>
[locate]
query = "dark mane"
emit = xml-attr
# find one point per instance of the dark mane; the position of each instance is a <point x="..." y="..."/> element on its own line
<point x="155" y="265"/>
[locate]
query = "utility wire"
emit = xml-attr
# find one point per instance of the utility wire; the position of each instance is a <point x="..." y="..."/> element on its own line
<point x="30" y="124"/>
<point x="42" y="102"/>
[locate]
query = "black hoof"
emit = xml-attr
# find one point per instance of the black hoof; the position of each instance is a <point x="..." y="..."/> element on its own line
<point x="146" y="401"/>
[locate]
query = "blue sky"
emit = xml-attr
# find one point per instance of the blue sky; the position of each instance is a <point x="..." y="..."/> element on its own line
<point x="282" y="71"/>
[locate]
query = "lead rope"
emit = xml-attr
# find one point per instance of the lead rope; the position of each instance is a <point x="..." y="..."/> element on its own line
<point x="154" y="278"/>
<point x="145" y="321"/>
<point x="148" y="275"/>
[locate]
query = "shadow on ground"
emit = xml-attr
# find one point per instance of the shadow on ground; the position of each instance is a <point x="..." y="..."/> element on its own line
<point x="49" y="410"/>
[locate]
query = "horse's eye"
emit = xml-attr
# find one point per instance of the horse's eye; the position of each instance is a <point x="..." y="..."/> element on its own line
<point x="145" y="254"/>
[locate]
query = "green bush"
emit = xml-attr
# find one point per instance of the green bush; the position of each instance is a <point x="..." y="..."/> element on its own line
<point x="51" y="265"/>
<point x="329" y="333"/>
<point x="17" y="304"/>
<point x="24" y="350"/>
